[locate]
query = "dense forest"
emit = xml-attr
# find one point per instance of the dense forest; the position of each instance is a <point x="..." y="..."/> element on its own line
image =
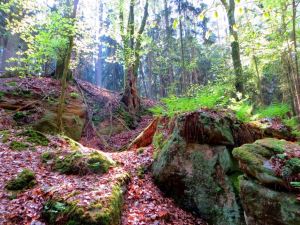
<point x="149" y="112"/>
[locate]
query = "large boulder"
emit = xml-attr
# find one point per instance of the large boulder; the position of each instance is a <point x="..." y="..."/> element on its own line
<point x="263" y="205"/>
<point x="194" y="163"/>
<point x="271" y="183"/>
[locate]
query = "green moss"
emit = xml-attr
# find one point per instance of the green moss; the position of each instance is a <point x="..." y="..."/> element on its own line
<point x="107" y="212"/>
<point x="74" y="95"/>
<point x="19" y="115"/>
<point x="4" y="135"/>
<point x="55" y="210"/>
<point x="111" y="213"/>
<point x="11" y="84"/>
<point x="277" y="146"/>
<point x="245" y="154"/>
<point x="79" y="163"/>
<point x="2" y="94"/>
<point x="46" y="156"/>
<point x="126" y="116"/>
<point x="24" y="180"/>
<point x="98" y="162"/>
<point x="158" y="142"/>
<point x="141" y="170"/>
<point x="36" y="137"/>
<point x="69" y="164"/>
<point x="18" y="146"/>
<point x="235" y="180"/>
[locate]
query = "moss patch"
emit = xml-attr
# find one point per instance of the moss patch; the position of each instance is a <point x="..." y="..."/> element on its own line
<point x="18" y="146"/>
<point x="19" y="116"/>
<point x="104" y="212"/>
<point x="4" y="135"/>
<point x="24" y="180"/>
<point x="79" y="163"/>
<point x="74" y="95"/>
<point x="36" y="137"/>
<point x="98" y="163"/>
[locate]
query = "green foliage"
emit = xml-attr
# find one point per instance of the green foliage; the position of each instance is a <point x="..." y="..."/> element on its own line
<point x="295" y="184"/>
<point x="18" y="146"/>
<point x="274" y="110"/>
<point x="24" y="180"/>
<point x="242" y="109"/>
<point x="74" y="95"/>
<point x="210" y="96"/>
<point x="46" y="39"/>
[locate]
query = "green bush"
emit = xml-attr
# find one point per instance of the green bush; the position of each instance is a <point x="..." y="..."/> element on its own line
<point x="274" y="110"/>
<point x="211" y="96"/>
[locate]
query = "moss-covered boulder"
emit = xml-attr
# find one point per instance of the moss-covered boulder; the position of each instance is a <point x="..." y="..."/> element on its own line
<point x="78" y="162"/>
<point x="270" y="187"/>
<point x="270" y="161"/>
<point x="199" y="177"/>
<point x="194" y="164"/>
<point x="73" y="123"/>
<point x="105" y="210"/>
<point x="263" y="205"/>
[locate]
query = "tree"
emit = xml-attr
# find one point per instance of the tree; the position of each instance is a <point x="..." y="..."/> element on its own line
<point x="132" y="47"/>
<point x="66" y="71"/>
<point x="229" y="6"/>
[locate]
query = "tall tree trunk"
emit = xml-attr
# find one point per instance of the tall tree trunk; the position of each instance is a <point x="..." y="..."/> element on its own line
<point x="98" y="66"/>
<point x="130" y="97"/>
<point x="183" y="74"/>
<point x="297" y="78"/>
<point x="65" y="74"/>
<point x="235" y="46"/>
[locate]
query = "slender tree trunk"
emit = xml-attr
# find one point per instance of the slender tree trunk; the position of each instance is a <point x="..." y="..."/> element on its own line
<point x="235" y="46"/>
<point x="65" y="74"/>
<point x="98" y="66"/>
<point x="297" y="78"/>
<point x="183" y="76"/>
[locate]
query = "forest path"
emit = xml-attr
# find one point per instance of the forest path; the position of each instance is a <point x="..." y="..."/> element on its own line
<point x="144" y="203"/>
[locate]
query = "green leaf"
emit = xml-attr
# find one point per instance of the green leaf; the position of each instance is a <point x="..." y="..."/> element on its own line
<point x="175" y="23"/>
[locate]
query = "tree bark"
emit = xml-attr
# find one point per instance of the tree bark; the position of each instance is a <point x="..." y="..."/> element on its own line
<point x="130" y="97"/>
<point x="98" y="66"/>
<point x="235" y="46"/>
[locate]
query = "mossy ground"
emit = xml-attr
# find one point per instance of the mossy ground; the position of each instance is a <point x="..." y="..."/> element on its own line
<point x="18" y="146"/>
<point x="77" y="162"/>
<point x="105" y="212"/>
<point x="35" y="137"/>
<point x="24" y="180"/>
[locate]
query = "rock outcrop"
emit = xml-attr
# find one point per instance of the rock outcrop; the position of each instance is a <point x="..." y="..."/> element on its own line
<point x="194" y="163"/>
<point x="35" y="105"/>
<point x="270" y="186"/>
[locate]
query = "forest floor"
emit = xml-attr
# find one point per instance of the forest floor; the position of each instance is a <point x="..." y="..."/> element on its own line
<point x="144" y="203"/>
